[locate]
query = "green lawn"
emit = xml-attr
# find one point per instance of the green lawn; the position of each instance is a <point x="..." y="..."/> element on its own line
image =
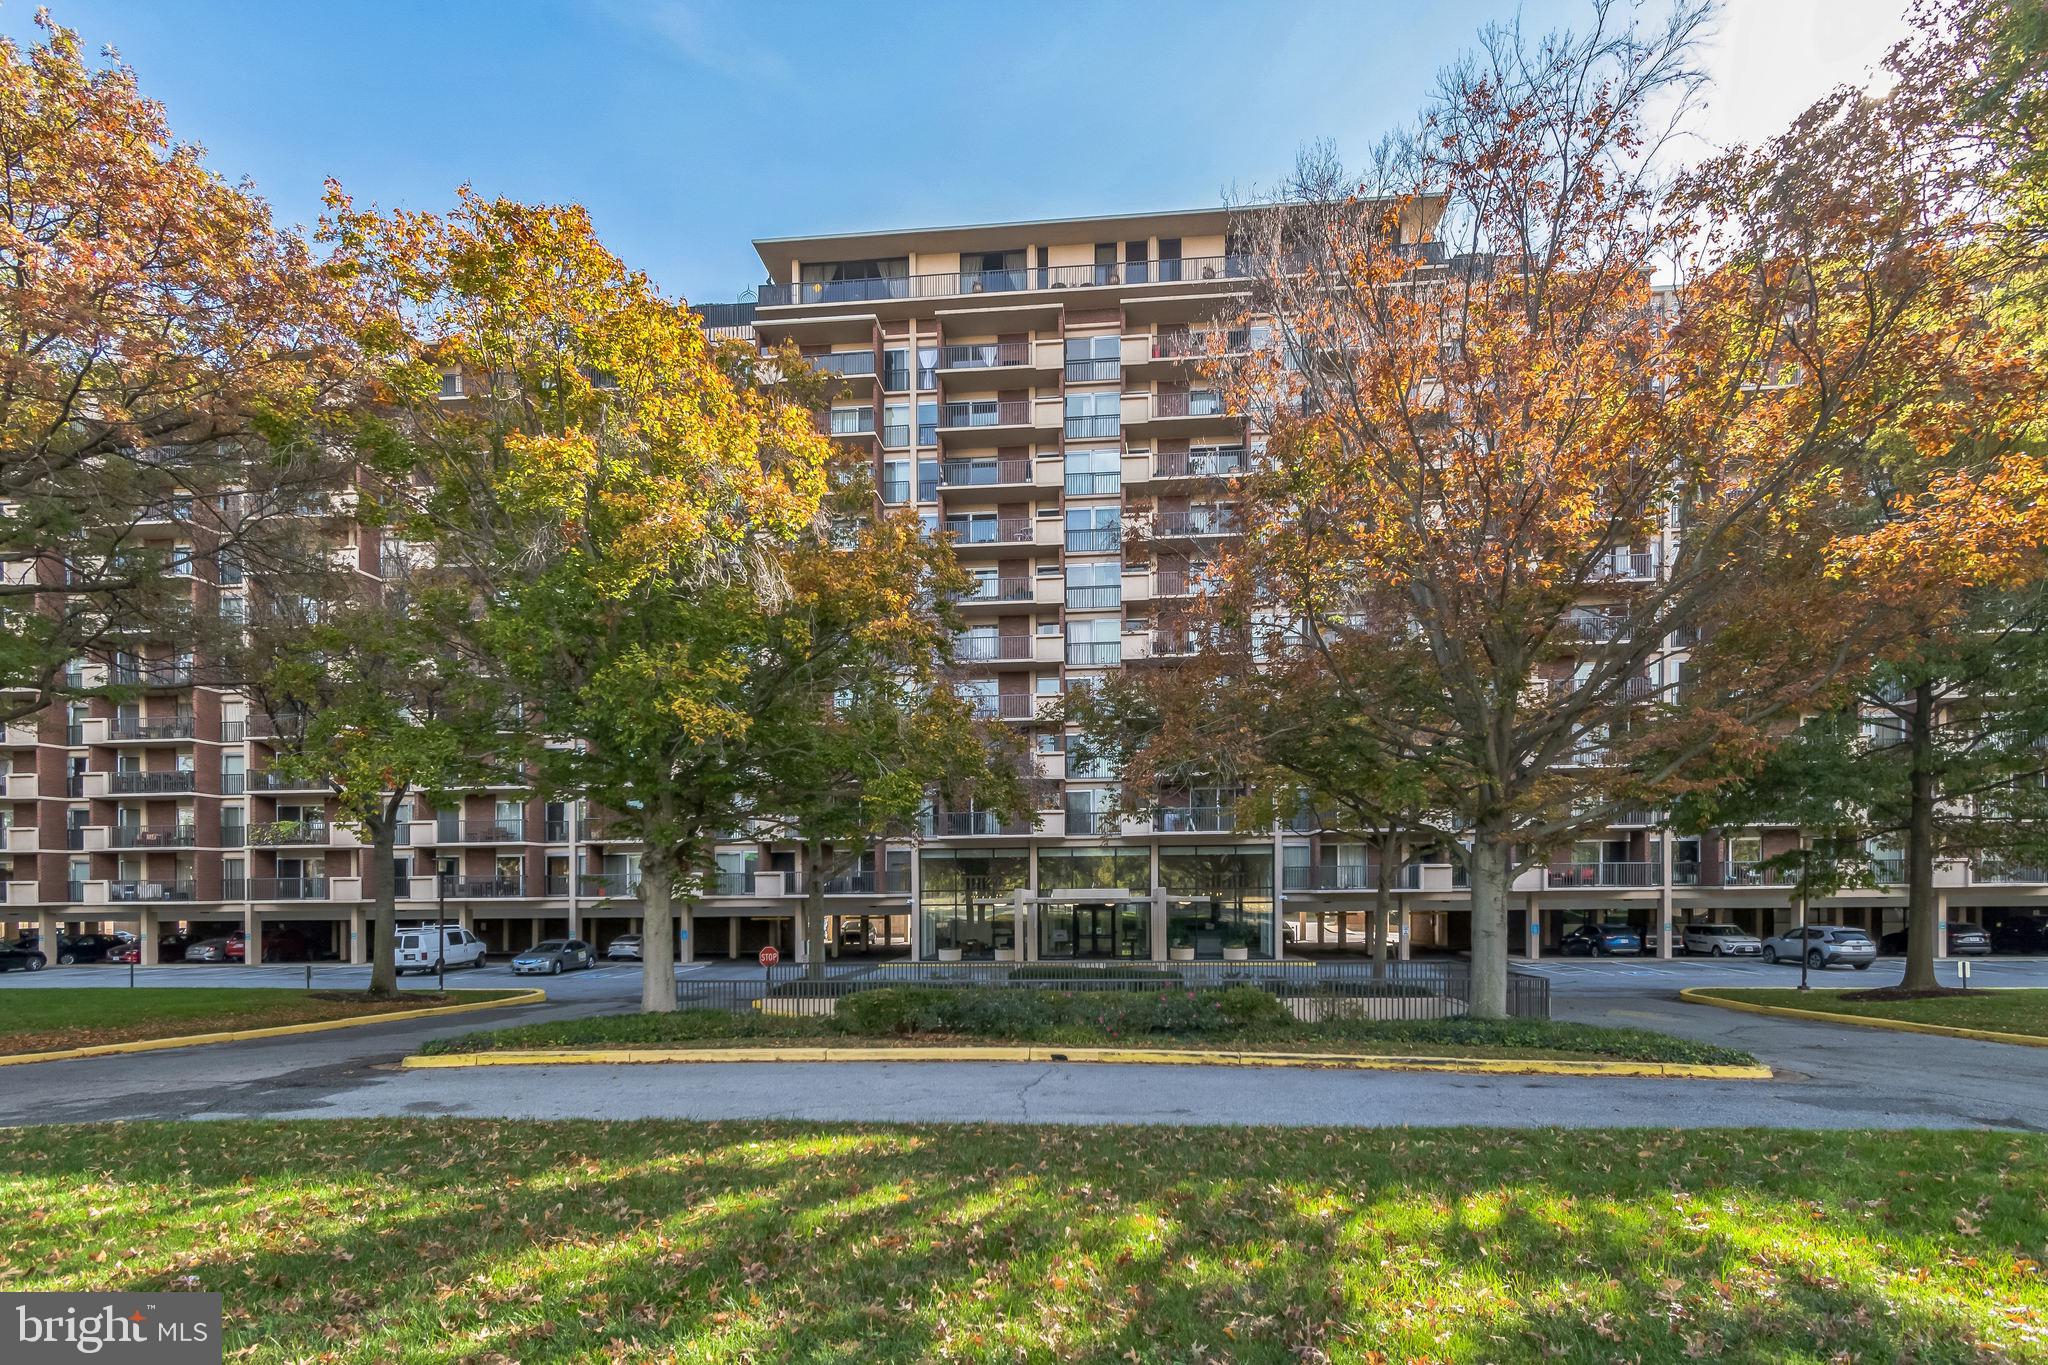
<point x="426" y="1241"/>
<point x="895" y="1017"/>
<point x="49" y="1020"/>
<point x="2004" y="1011"/>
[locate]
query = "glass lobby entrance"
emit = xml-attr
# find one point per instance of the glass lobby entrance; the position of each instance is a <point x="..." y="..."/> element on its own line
<point x="1073" y="930"/>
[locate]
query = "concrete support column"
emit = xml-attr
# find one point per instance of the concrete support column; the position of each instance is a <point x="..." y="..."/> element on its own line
<point x="1940" y="924"/>
<point x="1534" y="931"/>
<point x="1158" y="918"/>
<point x="358" y="937"/>
<point x="799" y="928"/>
<point x="686" y="937"/>
<point x="1401" y="918"/>
<point x="533" y="931"/>
<point x="252" y="938"/>
<point x="465" y="919"/>
<point x="46" y="936"/>
<point x="1666" y="925"/>
<point x="732" y="936"/>
<point x="147" y="932"/>
<point x="916" y="905"/>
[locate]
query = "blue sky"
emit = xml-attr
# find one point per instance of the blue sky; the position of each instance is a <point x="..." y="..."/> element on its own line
<point x="689" y="128"/>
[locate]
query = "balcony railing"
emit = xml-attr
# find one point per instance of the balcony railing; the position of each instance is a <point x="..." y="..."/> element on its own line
<point x="2010" y="872"/>
<point x="851" y="422"/>
<point x="1195" y="464"/>
<point x="1094" y="653"/>
<point x="149" y="891"/>
<point x="956" y="824"/>
<point x="1001" y="590"/>
<point x="483" y="888"/>
<point x="608" y="886"/>
<point x="508" y="830"/>
<point x="984" y="355"/>
<point x="556" y="831"/>
<point x="1605" y="874"/>
<point x="732" y="883"/>
<point x="153" y="836"/>
<point x="983" y="473"/>
<point x="233" y="784"/>
<point x="1734" y="873"/>
<point x="1176" y="644"/>
<point x="1096" y="598"/>
<point x="144" y="784"/>
<point x="1010" y="706"/>
<point x="954" y="283"/>
<point x="269" y="780"/>
<point x="847" y="364"/>
<point x="1101" y="426"/>
<point x="1199" y="342"/>
<point x="1094" y="539"/>
<point x="1095" y="370"/>
<point x="989" y="530"/>
<point x="1349" y="877"/>
<point x="273" y="833"/>
<point x="1198" y="522"/>
<point x="233" y="731"/>
<point x="986" y="412"/>
<point x="893" y="881"/>
<point x="283" y="888"/>
<point x="182" y="727"/>
<point x="1192" y="403"/>
<point x="165" y="676"/>
<point x="1193" y="820"/>
<point x="988" y="648"/>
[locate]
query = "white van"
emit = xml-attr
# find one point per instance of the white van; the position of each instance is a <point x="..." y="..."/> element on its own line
<point x="417" y="950"/>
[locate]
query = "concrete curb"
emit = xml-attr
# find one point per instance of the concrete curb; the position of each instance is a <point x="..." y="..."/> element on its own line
<point x="1511" y="1066"/>
<point x="530" y="997"/>
<point x="1696" y="995"/>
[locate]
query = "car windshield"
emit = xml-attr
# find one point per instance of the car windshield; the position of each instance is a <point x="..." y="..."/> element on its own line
<point x="553" y="945"/>
<point x="1717" y="929"/>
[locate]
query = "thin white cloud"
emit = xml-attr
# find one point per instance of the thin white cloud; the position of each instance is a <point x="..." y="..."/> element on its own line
<point x="698" y="31"/>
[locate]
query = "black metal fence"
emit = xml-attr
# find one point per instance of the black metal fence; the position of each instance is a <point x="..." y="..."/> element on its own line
<point x="1314" y="991"/>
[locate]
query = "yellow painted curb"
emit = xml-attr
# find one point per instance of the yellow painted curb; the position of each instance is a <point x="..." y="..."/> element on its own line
<point x="531" y="997"/>
<point x="1695" y="995"/>
<point x="1515" y="1066"/>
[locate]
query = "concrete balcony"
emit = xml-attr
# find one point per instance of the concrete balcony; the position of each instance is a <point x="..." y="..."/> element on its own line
<point x="22" y="786"/>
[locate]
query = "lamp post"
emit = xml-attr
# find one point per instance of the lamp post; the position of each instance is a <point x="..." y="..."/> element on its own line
<point x="440" y="933"/>
<point x="1805" y="945"/>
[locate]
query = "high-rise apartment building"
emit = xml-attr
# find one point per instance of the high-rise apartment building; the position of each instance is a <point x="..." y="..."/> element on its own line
<point x="1035" y="391"/>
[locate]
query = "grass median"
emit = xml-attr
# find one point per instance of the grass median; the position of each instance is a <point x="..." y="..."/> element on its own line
<point x="418" y="1240"/>
<point x="2022" y="1011"/>
<point x="1240" y="1019"/>
<point x="92" y="1016"/>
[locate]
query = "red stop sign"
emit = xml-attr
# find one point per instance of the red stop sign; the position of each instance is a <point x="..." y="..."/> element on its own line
<point x="769" y="957"/>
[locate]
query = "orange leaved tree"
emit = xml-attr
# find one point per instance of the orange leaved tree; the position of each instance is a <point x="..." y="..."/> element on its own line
<point x="1554" y="435"/>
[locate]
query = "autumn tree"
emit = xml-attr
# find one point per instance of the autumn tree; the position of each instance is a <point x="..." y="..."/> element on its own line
<point x="166" y="356"/>
<point x="1552" y="430"/>
<point x="615" y="488"/>
<point x="861" y="728"/>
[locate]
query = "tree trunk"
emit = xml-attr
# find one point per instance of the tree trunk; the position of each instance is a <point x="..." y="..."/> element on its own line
<point x="383" y="908"/>
<point x="1922" y="927"/>
<point x="657" y="930"/>
<point x="1383" y="903"/>
<point x="1489" y="925"/>
<point x="813" y="927"/>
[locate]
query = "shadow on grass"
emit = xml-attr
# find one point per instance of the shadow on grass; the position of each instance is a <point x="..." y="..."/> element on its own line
<point x="383" y="1239"/>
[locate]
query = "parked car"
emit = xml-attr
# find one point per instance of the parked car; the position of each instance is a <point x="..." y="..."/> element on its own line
<point x="285" y="945"/>
<point x="1602" y="940"/>
<point x="554" y="956"/>
<point x="422" y="948"/>
<point x="2021" y="934"/>
<point x="70" y="949"/>
<point x="626" y="947"/>
<point x="15" y="958"/>
<point x="1720" y="940"/>
<point x="1823" y="945"/>
<point x="1964" y="940"/>
<point x="226" y="948"/>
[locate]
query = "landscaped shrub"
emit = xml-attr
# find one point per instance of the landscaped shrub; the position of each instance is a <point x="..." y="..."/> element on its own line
<point x="1048" y="1015"/>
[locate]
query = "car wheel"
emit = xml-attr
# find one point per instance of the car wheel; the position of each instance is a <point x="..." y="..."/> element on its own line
<point x="1714" y="951"/>
<point x="1861" y="966"/>
<point x="1816" y="960"/>
<point x="66" y="959"/>
<point x="34" y="964"/>
<point x="555" y="967"/>
<point x="1770" y="954"/>
<point x="479" y="960"/>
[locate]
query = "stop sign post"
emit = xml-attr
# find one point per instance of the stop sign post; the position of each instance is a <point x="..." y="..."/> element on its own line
<point x="768" y="958"/>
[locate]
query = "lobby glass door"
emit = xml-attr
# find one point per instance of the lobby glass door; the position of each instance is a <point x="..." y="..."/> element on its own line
<point x="1094" y="929"/>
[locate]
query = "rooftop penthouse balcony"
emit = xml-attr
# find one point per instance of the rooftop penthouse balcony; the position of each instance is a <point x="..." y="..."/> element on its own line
<point x="1022" y="279"/>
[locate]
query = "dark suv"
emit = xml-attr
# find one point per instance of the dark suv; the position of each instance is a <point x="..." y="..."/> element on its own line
<point x="2021" y="934"/>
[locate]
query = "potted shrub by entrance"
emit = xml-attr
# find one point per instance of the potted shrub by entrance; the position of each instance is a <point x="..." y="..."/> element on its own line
<point x="1237" y="942"/>
<point x="949" y="954"/>
<point x="1180" y="943"/>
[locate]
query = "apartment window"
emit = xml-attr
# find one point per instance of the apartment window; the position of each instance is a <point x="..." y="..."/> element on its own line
<point x="928" y="423"/>
<point x="1094" y="643"/>
<point x="1094" y="529"/>
<point x="852" y="421"/>
<point x="1169" y="258"/>
<point x="229" y="568"/>
<point x="231" y="774"/>
<point x="1093" y="416"/>
<point x="896" y="370"/>
<point x="896" y="424"/>
<point x="1105" y="263"/>
<point x="1094" y="586"/>
<point x="1093" y="472"/>
<point x="234" y="610"/>
<point x="927" y="480"/>
<point x="895" y="481"/>
<point x="991" y="271"/>
<point x="1094" y="359"/>
<point x="451" y="384"/>
<point x="927" y="367"/>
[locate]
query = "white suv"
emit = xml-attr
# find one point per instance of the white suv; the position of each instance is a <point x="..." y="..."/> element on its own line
<point x="417" y="950"/>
